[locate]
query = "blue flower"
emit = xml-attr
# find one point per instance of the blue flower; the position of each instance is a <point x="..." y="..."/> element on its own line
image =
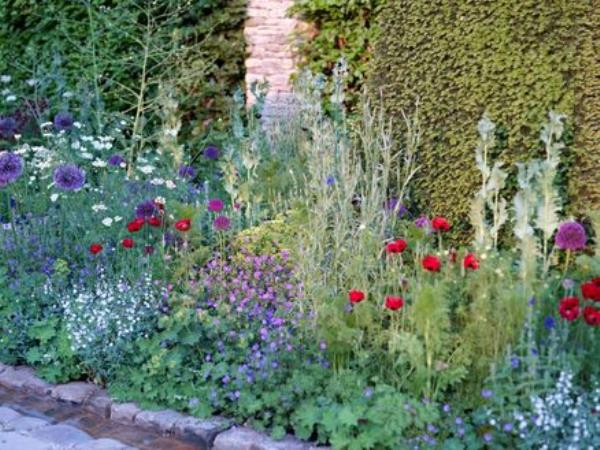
<point x="368" y="392"/>
<point x="486" y="393"/>
<point x="69" y="177"/>
<point x="211" y="152"/>
<point x="549" y="322"/>
<point x="514" y="362"/>
<point x="63" y="121"/>
<point x="11" y="168"/>
<point x="330" y="180"/>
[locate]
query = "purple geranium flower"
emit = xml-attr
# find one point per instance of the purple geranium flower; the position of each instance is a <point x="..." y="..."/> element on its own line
<point x="63" y="121"/>
<point x="11" y="168"/>
<point x="116" y="160"/>
<point x="221" y="223"/>
<point x="571" y="236"/>
<point x="69" y="177"/>
<point x="486" y="393"/>
<point x="215" y="205"/>
<point x="211" y="152"/>
<point x="393" y="205"/>
<point x="422" y="222"/>
<point x="146" y="209"/>
<point x="187" y="171"/>
<point x="8" y="127"/>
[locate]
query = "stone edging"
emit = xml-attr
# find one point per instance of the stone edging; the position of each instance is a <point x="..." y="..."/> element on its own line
<point x="215" y="433"/>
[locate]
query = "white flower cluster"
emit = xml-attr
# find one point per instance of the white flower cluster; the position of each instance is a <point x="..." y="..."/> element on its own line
<point x="101" y="318"/>
<point x="563" y="419"/>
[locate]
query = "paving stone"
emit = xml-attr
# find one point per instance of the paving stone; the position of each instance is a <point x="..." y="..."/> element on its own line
<point x="17" y="441"/>
<point x="103" y="444"/>
<point x="63" y="435"/>
<point x="8" y="415"/>
<point x="25" y="423"/>
<point x="23" y="377"/>
<point x="100" y="403"/>
<point x="77" y="392"/>
<point x="207" y="429"/>
<point x="242" y="438"/>
<point x="124" y="412"/>
<point x="164" y="420"/>
<point x="2" y="367"/>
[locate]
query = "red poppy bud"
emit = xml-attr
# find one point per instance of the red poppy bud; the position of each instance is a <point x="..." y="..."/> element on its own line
<point x="135" y="225"/>
<point x="394" y="303"/>
<point x="356" y="296"/>
<point x="127" y="243"/>
<point x="183" y="225"/>
<point x="154" y="221"/>
<point x="431" y="263"/>
<point x="398" y="246"/>
<point x="95" y="249"/>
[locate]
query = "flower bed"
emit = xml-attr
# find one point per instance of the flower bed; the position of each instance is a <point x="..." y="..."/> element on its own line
<point x="284" y="281"/>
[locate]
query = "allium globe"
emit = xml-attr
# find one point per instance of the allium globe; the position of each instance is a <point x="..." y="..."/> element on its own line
<point x="116" y="160"/>
<point x="570" y="236"/>
<point x="211" y="152"/>
<point x="222" y="223"/>
<point x="11" y="168"/>
<point x="69" y="177"/>
<point x="8" y="127"/>
<point x="63" y="121"/>
<point x="146" y="209"/>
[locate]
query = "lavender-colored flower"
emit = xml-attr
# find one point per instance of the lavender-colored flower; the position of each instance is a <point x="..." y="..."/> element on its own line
<point x="515" y="362"/>
<point x="422" y="222"/>
<point x="11" y="168"/>
<point x="330" y="180"/>
<point x="146" y="209"/>
<point x="8" y="127"/>
<point x="568" y="283"/>
<point x="508" y="427"/>
<point x="486" y="393"/>
<point x="458" y="421"/>
<point x="446" y="408"/>
<point x="392" y="205"/>
<point x="368" y="392"/>
<point x="116" y="160"/>
<point x="221" y="223"/>
<point x="487" y="437"/>
<point x="69" y="177"/>
<point x="215" y="205"/>
<point x="549" y="322"/>
<point x="63" y="121"/>
<point x="211" y="152"/>
<point x="532" y="301"/>
<point x="571" y="236"/>
<point x="186" y="171"/>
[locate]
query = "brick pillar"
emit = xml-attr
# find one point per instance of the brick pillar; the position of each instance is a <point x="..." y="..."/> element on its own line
<point x="268" y="32"/>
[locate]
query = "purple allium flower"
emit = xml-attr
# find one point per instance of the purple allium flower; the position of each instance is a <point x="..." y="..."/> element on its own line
<point x="486" y="393"/>
<point x="69" y="177"/>
<point x="215" y="205"/>
<point x="63" y="121"/>
<point x="549" y="322"/>
<point x="221" y="223"/>
<point x="187" y="171"/>
<point x="8" y="127"/>
<point x="392" y="204"/>
<point x="211" y="152"/>
<point x="11" y="168"/>
<point x="422" y="222"/>
<point x="570" y="236"/>
<point x="146" y="209"/>
<point x="330" y="180"/>
<point x="116" y="160"/>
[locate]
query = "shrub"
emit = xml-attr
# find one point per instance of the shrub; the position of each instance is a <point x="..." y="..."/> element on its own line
<point x="513" y="59"/>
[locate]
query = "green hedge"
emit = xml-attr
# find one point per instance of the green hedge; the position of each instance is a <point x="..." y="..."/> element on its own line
<point x="517" y="59"/>
<point x="201" y="41"/>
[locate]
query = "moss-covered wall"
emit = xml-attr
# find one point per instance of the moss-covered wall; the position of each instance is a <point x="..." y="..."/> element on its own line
<point x="517" y="59"/>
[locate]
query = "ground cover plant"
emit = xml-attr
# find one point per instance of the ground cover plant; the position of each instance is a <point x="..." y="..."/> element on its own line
<point x="280" y="279"/>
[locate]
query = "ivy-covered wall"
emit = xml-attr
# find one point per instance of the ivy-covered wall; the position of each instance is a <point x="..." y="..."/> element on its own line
<point x="517" y="59"/>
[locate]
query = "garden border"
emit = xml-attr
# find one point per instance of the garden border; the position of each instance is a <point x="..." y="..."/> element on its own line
<point x="215" y="433"/>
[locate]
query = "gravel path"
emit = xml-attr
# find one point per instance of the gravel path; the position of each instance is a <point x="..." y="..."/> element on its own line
<point x="22" y="432"/>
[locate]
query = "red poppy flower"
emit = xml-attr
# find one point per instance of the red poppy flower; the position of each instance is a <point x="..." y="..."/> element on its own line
<point x="591" y="290"/>
<point x="471" y="262"/>
<point x="568" y="308"/>
<point x="154" y="221"/>
<point x="398" y="246"/>
<point x="440" y="224"/>
<point x="135" y="225"/>
<point x="183" y="225"/>
<point x="95" y="249"/>
<point x="591" y="316"/>
<point x="394" y="303"/>
<point x="431" y="263"/>
<point x="356" y="296"/>
<point x="127" y="243"/>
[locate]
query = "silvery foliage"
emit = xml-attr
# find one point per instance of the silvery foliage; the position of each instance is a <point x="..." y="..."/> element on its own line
<point x="563" y="419"/>
<point x="525" y="203"/>
<point x="488" y="199"/>
<point x="102" y="318"/>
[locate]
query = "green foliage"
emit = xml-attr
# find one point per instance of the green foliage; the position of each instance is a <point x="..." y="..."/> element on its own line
<point x="124" y="53"/>
<point x="342" y="29"/>
<point x="514" y="59"/>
